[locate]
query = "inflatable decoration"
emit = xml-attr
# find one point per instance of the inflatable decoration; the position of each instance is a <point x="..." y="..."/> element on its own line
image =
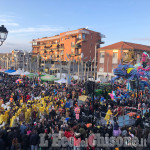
<point x="139" y="72"/>
<point x="126" y="71"/>
<point x="77" y="112"/>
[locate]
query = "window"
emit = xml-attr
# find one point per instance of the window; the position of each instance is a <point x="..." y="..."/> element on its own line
<point x="72" y="51"/>
<point x="76" y="51"/>
<point x="83" y="36"/>
<point x="115" y="55"/>
<point x="79" y="36"/>
<point x="62" y="39"/>
<point x="102" y="55"/>
<point x="115" y="58"/>
<point x="72" y="43"/>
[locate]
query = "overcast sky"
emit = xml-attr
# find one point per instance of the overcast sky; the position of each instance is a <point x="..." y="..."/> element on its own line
<point x="119" y="20"/>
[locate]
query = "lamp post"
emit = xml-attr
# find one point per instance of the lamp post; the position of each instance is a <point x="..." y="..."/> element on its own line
<point x="84" y="71"/>
<point x="107" y="66"/>
<point x="37" y="62"/>
<point x="50" y="58"/>
<point x="3" y="34"/>
<point x="95" y="60"/>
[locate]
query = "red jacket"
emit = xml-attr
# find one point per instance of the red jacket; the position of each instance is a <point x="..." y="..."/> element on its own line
<point x="68" y="134"/>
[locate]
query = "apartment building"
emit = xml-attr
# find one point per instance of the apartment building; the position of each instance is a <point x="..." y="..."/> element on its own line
<point x="21" y="59"/>
<point x="71" y="43"/>
<point x="110" y="56"/>
<point x="68" y="46"/>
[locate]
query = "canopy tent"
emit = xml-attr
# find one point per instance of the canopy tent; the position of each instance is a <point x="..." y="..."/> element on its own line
<point x="30" y="75"/>
<point x="61" y="81"/>
<point x="49" y="78"/>
<point x="9" y="71"/>
<point x="26" y="73"/>
<point x="18" y="72"/>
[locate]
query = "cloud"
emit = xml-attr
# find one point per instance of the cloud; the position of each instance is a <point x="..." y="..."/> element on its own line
<point x="8" y="46"/>
<point x="36" y="29"/>
<point x="141" y="39"/>
<point x="7" y="21"/>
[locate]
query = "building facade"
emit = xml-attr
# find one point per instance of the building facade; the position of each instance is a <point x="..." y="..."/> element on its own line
<point x="68" y="46"/>
<point x="122" y="52"/>
<point x="5" y="60"/>
<point x="21" y="59"/>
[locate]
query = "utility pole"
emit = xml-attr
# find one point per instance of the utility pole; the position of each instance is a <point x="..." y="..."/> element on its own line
<point x="30" y="64"/>
<point x="78" y="69"/>
<point x="38" y="62"/>
<point x="88" y="72"/>
<point x="44" y="65"/>
<point x="122" y="54"/>
<point x="60" y="67"/>
<point x="84" y="71"/>
<point x="95" y="61"/>
<point x="93" y="103"/>
<point x="107" y="64"/>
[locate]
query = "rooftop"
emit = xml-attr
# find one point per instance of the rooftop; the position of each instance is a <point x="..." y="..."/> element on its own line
<point x="125" y="46"/>
<point x="81" y="30"/>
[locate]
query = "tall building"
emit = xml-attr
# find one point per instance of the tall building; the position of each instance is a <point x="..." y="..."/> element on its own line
<point x="71" y="43"/>
<point x="21" y="59"/>
<point x="122" y="52"/>
<point x="68" y="46"/>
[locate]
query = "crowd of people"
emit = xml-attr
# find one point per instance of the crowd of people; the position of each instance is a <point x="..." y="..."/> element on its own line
<point x="30" y="108"/>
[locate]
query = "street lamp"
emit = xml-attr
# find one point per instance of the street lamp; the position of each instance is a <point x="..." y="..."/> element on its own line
<point x="3" y="34"/>
<point x="97" y="43"/>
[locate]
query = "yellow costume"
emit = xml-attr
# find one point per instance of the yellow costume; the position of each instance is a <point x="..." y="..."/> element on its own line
<point x="108" y="114"/>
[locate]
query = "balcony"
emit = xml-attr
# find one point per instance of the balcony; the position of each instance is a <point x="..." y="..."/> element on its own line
<point x="76" y="46"/>
<point x="36" y="45"/>
<point x="62" y="53"/>
<point x="102" y="35"/>
<point x="75" y="54"/>
<point x="61" y="48"/>
<point x="101" y="42"/>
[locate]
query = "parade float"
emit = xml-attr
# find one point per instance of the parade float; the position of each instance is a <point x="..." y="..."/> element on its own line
<point x="138" y="74"/>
